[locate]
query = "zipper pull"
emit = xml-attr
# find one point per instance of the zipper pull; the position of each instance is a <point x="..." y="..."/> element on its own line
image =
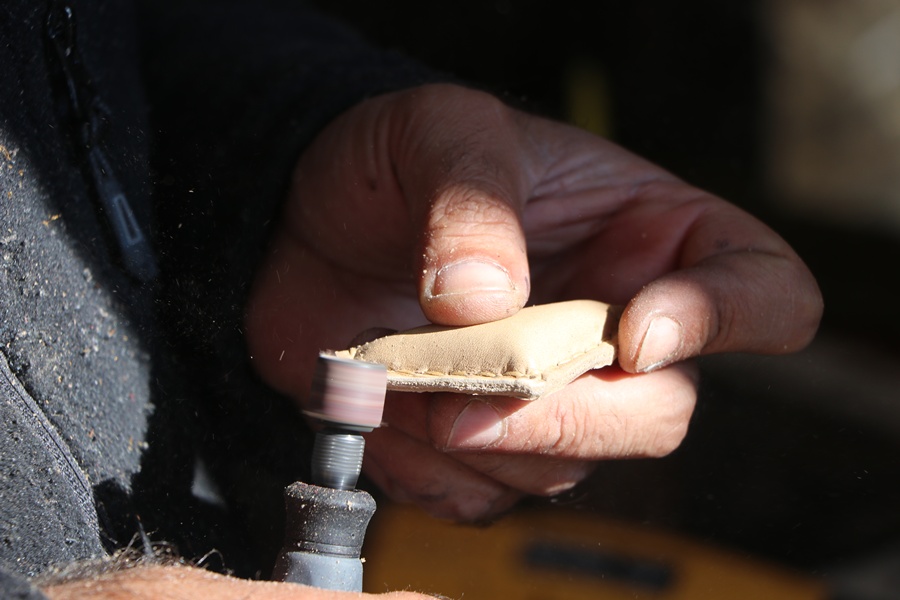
<point x="134" y="247"/>
<point x="90" y="117"/>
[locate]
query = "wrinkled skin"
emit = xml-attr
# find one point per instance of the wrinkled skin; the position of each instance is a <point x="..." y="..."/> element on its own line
<point x="442" y="204"/>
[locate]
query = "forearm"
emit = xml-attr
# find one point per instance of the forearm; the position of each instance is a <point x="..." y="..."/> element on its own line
<point x="189" y="583"/>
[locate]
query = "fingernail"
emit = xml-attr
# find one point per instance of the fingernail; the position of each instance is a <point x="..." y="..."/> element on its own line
<point x="471" y="276"/>
<point x="660" y="345"/>
<point x="479" y="425"/>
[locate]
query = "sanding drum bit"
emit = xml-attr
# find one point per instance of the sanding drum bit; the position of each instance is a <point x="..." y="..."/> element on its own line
<point x="326" y="520"/>
<point x="347" y="398"/>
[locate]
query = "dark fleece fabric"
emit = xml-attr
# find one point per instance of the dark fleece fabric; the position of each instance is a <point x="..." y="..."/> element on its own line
<point x="144" y="150"/>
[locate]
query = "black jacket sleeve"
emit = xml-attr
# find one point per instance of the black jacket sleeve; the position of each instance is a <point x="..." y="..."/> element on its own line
<point x="97" y="427"/>
<point x="16" y="587"/>
<point x="47" y="514"/>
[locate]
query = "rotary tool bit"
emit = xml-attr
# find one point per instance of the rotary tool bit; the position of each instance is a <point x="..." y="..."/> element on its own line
<point x="326" y="522"/>
<point x="347" y="398"/>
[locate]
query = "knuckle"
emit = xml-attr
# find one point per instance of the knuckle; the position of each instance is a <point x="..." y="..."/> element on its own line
<point x="471" y="207"/>
<point x="619" y="435"/>
<point x="566" y="436"/>
<point x="806" y="307"/>
<point x="672" y="427"/>
<point x="453" y="507"/>
<point x="667" y="441"/>
<point x="487" y="507"/>
<point x="560" y="476"/>
<point x="463" y="504"/>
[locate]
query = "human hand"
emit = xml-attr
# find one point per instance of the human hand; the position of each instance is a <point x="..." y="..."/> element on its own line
<point x="442" y="204"/>
<point x="187" y="583"/>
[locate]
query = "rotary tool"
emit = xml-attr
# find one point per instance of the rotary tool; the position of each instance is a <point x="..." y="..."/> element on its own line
<point x="327" y="518"/>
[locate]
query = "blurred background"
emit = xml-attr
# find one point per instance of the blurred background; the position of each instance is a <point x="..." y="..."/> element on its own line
<point x="790" y="109"/>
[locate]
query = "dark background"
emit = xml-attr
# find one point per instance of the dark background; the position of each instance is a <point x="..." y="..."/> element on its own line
<point x="784" y="459"/>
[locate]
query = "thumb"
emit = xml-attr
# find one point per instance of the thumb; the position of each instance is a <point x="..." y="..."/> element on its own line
<point x="463" y="169"/>
<point x="474" y="262"/>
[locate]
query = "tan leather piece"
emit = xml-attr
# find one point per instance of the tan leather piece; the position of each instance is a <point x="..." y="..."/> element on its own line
<point x="531" y="354"/>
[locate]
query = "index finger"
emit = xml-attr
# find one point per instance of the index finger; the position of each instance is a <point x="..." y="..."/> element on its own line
<point x="604" y="414"/>
<point x="699" y="276"/>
